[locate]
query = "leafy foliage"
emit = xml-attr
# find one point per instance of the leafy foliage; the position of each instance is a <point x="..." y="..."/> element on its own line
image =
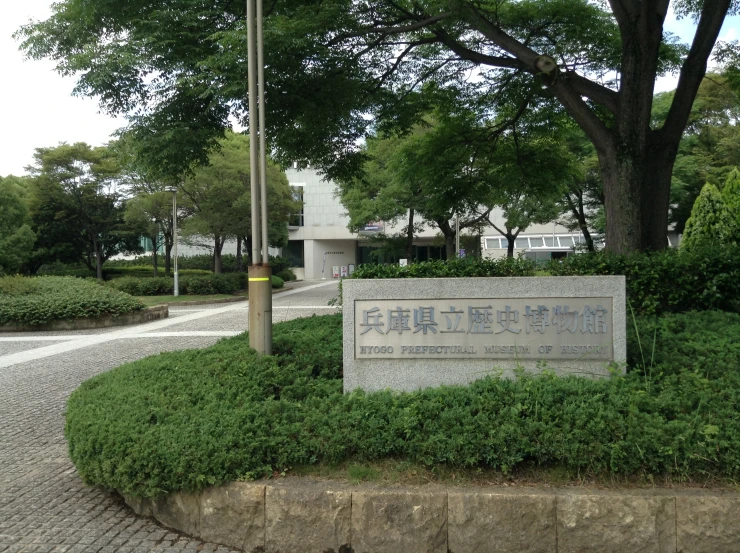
<point x="711" y="223"/>
<point x="187" y="420"/>
<point x="40" y="300"/>
<point x="16" y="236"/>
<point x="659" y="282"/>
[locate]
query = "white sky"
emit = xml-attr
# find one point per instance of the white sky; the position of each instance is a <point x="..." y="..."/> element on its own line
<point x="38" y="110"/>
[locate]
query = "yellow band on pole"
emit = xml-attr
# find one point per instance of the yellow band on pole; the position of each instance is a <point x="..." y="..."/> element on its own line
<point x="258" y="279"/>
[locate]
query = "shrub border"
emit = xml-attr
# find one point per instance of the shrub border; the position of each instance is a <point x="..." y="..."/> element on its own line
<point x="134" y="317"/>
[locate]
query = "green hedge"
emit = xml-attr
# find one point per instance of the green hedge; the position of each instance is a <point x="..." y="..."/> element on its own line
<point x="142" y="271"/>
<point x="667" y="281"/>
<point x="41" y="300"/>
<point x="208" y="284"/>
<point x="190" y="419"/>
<point x="203" y="262"/>
<point x="201" y="285"/>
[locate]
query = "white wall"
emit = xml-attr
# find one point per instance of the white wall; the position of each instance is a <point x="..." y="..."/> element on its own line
<point x="338" y="253"/>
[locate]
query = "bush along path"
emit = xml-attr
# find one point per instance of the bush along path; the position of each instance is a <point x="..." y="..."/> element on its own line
<point x="44" y="506"/>
<point x="191" y="419"/>
<point x="41" y="300"/>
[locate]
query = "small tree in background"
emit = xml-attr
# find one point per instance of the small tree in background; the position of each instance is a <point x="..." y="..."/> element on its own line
<point x="710" y="223"/>
<point x="16" y="236"/>
<point x="731" y="196"/>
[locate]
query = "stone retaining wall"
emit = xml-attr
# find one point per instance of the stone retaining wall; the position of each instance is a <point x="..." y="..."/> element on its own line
<point x="139" y="316"/>
<point x="306" y="516"/>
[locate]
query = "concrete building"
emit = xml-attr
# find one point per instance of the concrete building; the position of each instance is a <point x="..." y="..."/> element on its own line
<point x="321" y="243"/>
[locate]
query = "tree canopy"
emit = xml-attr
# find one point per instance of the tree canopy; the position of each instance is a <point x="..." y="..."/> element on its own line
<point x="218" y="197"/>
<point x="77" y="208"/>
<point x="337" y="68"/>
<point x="16" y="236"/>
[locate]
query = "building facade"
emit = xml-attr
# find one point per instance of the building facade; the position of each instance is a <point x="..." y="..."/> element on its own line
<point x="321" y="243"/>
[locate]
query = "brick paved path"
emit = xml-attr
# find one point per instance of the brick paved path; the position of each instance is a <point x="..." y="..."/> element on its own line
<point x="44" y="506"/>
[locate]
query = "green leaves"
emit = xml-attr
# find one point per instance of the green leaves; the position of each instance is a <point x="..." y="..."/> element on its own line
<point x="37" y="301"/>
<point x="186" y="420"/>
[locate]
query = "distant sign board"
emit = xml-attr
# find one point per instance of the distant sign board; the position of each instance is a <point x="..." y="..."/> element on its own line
<point x="372" y="227"/>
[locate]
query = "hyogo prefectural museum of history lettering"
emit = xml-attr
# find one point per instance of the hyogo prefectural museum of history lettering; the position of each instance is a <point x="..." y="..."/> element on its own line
<point x="412" y="333"/>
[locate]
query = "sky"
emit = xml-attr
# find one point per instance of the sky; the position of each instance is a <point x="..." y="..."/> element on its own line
<point x="37" y="108"/>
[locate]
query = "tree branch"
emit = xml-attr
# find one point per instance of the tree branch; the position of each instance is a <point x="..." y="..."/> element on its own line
<point x="694" y="68"/>
<point x="600" y="94"/>
<point x="391" y="30"/>
<point x="476" y="57"/>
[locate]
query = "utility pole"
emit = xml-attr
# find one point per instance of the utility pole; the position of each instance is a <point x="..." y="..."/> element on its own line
<point x="260" y="272"/>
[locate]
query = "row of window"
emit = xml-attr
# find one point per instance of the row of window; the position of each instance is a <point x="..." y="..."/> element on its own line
<point x="543" y="241"/>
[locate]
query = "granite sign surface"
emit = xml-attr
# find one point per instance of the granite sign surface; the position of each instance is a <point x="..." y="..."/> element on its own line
<point x="412" y="333"/>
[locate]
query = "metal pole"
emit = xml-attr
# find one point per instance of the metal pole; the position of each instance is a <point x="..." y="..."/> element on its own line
<point x="253" y="162"/>
<point x="174" y="239"/>
<point x="262" y="152"/>
<point x="260" y="274"/>
<point x="457" y="235"/>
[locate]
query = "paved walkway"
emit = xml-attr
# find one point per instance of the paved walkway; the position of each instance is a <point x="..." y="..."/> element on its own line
<point x="44" y="507"/>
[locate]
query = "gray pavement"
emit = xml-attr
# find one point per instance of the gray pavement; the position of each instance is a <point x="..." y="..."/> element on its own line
<point x="44" y="506"/>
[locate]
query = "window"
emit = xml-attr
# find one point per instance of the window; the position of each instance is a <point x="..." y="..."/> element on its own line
<point x="536" y="241"/>
<point x="521" y="243"/>
<point x="296" y="220"/>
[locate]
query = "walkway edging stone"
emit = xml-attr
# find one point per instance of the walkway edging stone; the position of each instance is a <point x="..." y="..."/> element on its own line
<point x="307" y="516"/>
<point x="139" y="316"/>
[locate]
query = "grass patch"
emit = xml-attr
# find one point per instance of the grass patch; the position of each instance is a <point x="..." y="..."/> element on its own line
<point x="190" y="419"/>
<point x="41" y="300"/>
<point x="150" y="301"/>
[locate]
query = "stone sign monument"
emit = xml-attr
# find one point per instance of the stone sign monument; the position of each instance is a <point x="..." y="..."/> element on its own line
<point x="406" y="334"/>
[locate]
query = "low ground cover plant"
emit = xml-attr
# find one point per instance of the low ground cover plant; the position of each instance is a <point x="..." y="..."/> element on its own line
<point x="41" y="300"/>
<point x="190" y="419"/>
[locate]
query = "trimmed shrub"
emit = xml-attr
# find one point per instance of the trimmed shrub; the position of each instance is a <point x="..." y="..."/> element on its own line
<point x="277" y="282"/>
<point x="42" y="300"/>
<point x="670" y="281"/>
<point x="227" y="283"/>
<point x="279" y="265"/>
<point x="661" y="282"/>
<point x="204" y="285"/>
<point x="287" y="275"/>
<point x="704" y="342"/>
<point x="191" y="419"/>
<point x="65" y="269"/>
<point x="141" y="271"/>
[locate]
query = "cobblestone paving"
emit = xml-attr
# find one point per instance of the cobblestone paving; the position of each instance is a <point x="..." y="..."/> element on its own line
<point x="44" y="506"/>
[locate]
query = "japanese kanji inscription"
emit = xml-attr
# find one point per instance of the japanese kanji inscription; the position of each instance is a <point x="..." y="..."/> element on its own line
<point x="500" y="328"/>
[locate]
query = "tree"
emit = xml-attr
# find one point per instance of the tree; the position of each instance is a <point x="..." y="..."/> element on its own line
<point x="429" y="174"/>
<point x="16" y="236"/>
<point x="332" y="63"/>
<point x="731" y="197"/>
<point x="711" y="223"/>
<point x="150" y="214"/>
<point x="218" y="196"/>
<point x="76" y="208"/>
<point x="710" y="147"/>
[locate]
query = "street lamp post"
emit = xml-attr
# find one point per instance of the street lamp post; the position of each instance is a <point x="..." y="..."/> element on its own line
<point x="260" y="272"/>
<point x="173" y="189"/>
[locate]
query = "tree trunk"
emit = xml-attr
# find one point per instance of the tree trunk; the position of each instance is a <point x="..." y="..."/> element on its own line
<point x="511" y="241"/>
<point x="217" y="247"/>
<point x="155" y="272"/>
<point x="98" y="258"/>
<point x="637" y="188"/>
<point x="449" y="233"/>
<point x="248" y="248"/>
<point x="579" y="212"/>
<point x="168" y="257"/>
<point x="410" y="237"/>
<point x="239" y="263"/>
